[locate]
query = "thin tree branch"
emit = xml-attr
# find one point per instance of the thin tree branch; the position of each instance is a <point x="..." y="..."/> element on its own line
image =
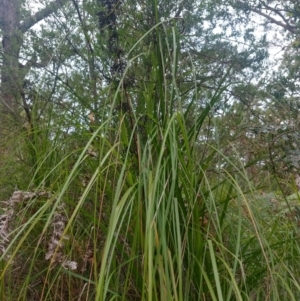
<point x="278" y="12"/>
<point x="42" y="14"/>
<point x="286" y="26"/>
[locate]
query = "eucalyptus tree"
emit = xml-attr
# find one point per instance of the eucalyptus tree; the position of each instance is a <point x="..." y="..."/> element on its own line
<point x="16" y="24"/>
<point x="33" y="52"/>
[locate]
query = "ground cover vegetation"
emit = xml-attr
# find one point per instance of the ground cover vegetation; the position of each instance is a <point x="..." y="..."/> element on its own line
<point x="149" y="150"/>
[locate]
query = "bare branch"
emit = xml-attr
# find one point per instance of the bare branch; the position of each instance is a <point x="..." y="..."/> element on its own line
<point x="278" y="12"/>
<point x="42" y="14"/>
<point x="286" y="26"/>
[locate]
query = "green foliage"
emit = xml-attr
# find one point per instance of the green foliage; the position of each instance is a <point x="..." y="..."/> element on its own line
<point x="147" y="179"/>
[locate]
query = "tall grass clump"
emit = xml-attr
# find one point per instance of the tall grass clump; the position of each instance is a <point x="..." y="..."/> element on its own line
<point x="141" y="208"/>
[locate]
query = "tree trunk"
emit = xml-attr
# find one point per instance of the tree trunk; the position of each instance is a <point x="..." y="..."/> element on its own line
<point x="13" y="29"/>
<point x="12" y="38"/>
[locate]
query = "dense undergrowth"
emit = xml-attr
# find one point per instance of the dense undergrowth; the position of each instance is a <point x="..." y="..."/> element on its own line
<point x="142" y="207"/>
